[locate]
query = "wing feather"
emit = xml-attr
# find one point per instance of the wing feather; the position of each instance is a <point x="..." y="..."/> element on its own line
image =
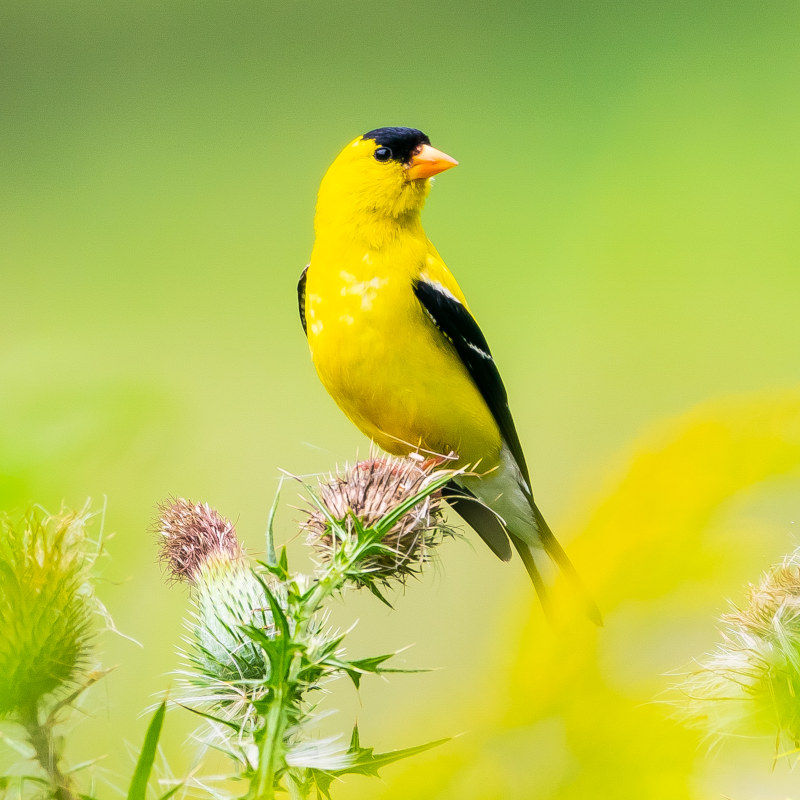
<point x="459" y="327"/>
<point x="301" y="298"/>
<point x="480" y="517"/>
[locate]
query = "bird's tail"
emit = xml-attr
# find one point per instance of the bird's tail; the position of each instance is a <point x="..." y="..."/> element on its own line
<point x="556" y="553"/>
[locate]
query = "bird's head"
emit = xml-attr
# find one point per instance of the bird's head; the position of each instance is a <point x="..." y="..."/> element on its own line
<point x="384" y="173"/>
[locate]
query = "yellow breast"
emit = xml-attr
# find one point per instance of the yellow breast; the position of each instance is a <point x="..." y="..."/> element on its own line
<point x="381" y="357"/>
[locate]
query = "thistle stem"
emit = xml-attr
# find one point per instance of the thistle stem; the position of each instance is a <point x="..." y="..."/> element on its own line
<point x="41" y="738"/>
<point x="336" y="574"/>
<point x="263" y="786"/>
<point x="271" y="750"/>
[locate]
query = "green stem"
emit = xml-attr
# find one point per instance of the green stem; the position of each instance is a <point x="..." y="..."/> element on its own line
<point x="262" y="786"/>
<point x="335" y="575"/>
<point x="271" y="749"/>
<point x="322" y="590"/>
<point x="41" y="738"/>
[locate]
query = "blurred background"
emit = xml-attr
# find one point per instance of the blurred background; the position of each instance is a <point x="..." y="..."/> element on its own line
<point x="625" y="224"/>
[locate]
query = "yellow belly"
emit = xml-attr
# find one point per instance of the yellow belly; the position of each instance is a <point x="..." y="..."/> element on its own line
<point x="387" y="366"/>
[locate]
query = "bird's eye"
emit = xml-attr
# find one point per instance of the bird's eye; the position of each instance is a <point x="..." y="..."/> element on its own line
<point x="383" y="154"/>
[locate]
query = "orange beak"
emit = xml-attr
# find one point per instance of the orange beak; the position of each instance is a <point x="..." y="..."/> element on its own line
<point x="427" y="162"/>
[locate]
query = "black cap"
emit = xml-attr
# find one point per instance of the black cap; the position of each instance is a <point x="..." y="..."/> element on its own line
<point x="401" y="141"/>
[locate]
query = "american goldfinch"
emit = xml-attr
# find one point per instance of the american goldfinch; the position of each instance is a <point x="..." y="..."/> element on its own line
<point x="396" y="346"/>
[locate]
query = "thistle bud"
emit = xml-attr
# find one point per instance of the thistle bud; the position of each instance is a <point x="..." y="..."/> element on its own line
<point x="750" y="684"/>
<point x="200" y="546"/>
<point x="46" y="607"/>
<point x="362" y="497"/>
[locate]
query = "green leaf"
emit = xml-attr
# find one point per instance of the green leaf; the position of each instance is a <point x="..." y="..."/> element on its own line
<point x="374" y="590"/>
<point x="355" y="740"/>
<point x="19" y="778"/>
<point x="355" y="669"/>
<point x="83" y="765"/>
<point x="323" y="781"/>
<point x="373" y="664"/>
<point x="232" y="725"/>
<point x="171" y="792"/>
<point x="299" y="783"/>
<point x="368" y="763"/>
<point x="278" y="615"/>
<point x="272" y="559"/>
<point x="365" y="762"/>
<point x="358" y="526"/>
<point x="144" y="766"/>
<point x="323" y="509"/>
<point x="275" y="648"/>
<point x="274" y="569"/>
<point x="387" y="522"/>
<point x="283" y="561"/>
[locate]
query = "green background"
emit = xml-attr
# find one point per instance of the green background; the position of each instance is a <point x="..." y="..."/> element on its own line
<point x="625" y="224"/>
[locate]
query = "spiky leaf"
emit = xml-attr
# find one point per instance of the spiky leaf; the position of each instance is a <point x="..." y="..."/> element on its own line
<point x="366" y="762"/>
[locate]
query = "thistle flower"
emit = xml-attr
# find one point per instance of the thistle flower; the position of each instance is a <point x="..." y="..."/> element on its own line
<point x="368" y="495"/>
<point x="192" y="534"/>
<point x="261" y="647"/>
<point x="46" y="607"/>
<point x="224" y="665"/>
<point x="750" y="684"/>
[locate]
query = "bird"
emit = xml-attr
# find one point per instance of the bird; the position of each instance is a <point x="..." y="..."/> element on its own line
<point x="396" y="345"/>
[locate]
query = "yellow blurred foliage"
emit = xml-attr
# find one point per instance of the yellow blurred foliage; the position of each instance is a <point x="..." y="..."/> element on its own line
<point x="577" y="714"/>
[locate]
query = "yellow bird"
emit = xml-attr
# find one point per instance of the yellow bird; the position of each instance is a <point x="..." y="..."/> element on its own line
<point x="396" y="346"/>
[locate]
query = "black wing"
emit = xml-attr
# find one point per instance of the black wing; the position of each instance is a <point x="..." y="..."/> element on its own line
<point x="459" y="326"/>
<point x="301" y="297"/>
<point x="480" y="517"/>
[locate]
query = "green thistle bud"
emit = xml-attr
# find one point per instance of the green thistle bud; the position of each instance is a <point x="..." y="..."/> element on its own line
<point x="200" y="546"/>
<point x="228" y="597"/>
<point x="750" y="684"/>
<point x="361" y="498"/>
<point x="46" y="607"/>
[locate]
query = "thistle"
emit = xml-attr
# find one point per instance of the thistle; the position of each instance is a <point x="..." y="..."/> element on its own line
<point x="750" y="684"/>
<point x="46" y="617"/>
<point x="347" y="504"/>
<point x="224" y="667"/>
<point x="191" y="535"/>
<point x="260" y="648"/>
